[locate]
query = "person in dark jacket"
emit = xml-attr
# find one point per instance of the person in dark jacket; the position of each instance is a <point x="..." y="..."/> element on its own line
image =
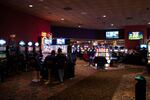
<point x="36" y="67"/>
<point x="61" y="63"/>
<point x="51" y="66"/>
<point x="70" y="68"/>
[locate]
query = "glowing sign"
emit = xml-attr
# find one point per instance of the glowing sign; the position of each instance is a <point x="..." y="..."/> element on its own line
<point x="36" y="44"/>
<point x="22" y="43"/>
<point x="43" y="34"/>
<point x="2" y="42"/>
<point x="60" y="41"/>
<point x="30" y="43"/>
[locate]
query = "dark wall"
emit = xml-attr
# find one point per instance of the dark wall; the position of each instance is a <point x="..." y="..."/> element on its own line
<point x="26" y="27"/>
<point x="79" y="33"/>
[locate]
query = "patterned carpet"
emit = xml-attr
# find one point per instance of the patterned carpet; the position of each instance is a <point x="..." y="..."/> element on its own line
<point x="89" y="84"/>
<point x="20" y="87"/>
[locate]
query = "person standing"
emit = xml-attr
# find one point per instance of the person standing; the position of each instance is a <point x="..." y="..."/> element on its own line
<point x="51" y="66"/>
<point x="61" y="63"/>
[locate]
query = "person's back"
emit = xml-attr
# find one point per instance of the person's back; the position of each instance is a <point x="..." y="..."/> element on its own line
<point x="61" y="63"/>
<point x="61" y="60"/>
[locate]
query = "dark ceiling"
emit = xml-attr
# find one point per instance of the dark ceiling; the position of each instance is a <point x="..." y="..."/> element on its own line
<point x="91" y="14"/>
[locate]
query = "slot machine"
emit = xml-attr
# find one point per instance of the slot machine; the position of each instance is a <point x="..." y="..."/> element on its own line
<point x="36" y="47"/>
<point x="22" y="47"/>
<point x="148" y="51"/>
<point x="30" y="48"/>
<point x="3" y="50"/>
<point x="62" y="43"/>
<point x="3" y="59"/>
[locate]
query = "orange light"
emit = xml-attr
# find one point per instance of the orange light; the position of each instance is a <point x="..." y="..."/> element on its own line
<point x="43" y="34"/>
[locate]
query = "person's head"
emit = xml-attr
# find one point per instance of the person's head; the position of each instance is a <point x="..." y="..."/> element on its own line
<point x="53" y="52"/>
<point x="59" y="50"/>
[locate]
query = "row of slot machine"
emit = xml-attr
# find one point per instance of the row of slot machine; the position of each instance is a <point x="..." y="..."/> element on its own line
<point x="21" y="47"/>
<point x="49" y="44"/>
<point x="101" y="51"/>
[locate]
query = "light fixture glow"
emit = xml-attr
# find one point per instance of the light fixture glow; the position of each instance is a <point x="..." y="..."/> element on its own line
<point x="21" y="43"/>
<point x="41" y="0"/>
<point x="112" y="24"/>
<point x="30" y="5"/>
<point x="149" y="23"/>
<point x="36" y="44"/>
<point x="104" y="16"/>
<point x="83" y="13"/>
<point x="30" y="43"/>
<point x="2" y="42"/>
<point x="62" y="19"/>
<point x="79" y="26"/>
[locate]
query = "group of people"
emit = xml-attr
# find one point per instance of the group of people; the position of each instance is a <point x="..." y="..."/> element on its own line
<point x="56" y="67"/>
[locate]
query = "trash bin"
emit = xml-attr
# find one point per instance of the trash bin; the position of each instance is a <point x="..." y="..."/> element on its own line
<point x="140" y="88"/>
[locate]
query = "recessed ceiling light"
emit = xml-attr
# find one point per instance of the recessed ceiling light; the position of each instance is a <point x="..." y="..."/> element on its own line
<point x="30" y="5"/>
<point x="62" y="19"/>
<point x="112" y="24"/>
<point x="104" y="16"/>
<point x="149" y="23"/>
<point x="79" y="26"/>
<point x="41" y="0"/>
<point x="83" y="13"/>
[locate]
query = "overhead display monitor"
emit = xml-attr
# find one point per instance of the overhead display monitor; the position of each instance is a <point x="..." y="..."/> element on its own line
<point x="112" y="34"/>
<point x="47" y="41"/>
<point x="60" y="41"/>
<point x="135" y="35"/>
<point x="143" y="46"/>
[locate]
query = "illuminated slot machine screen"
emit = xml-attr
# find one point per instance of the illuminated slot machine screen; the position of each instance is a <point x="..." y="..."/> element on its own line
<point x="149" y="47"/>
<point x="30" y="47"/>
<point x="47" y="42"/>
<point x="22" y="45"/>
<point x="143" y="46"/>
<point x="60" y="41"/>
<point x="2" y="52"/>
<point x="22" y="48"/>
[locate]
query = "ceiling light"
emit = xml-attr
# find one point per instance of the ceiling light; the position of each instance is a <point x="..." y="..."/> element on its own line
<point x="149" y="23"/>
<point x="62" y="19"/>
<point x="41" y="0"/>
<point x="104" y="16"/>
<point x="83" y="13"/>
<point x="112" y="24"/>
<point x="79" y="26"/>
<point x="30" y="5"/>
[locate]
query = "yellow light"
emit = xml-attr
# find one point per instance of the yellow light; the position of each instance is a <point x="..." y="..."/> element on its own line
<point x="43" y="34"/>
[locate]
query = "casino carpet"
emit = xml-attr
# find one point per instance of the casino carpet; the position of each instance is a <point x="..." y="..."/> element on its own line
<point x="89" y="84"/>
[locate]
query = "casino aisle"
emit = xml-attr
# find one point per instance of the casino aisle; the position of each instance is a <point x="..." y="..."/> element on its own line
<point x="88" y="84"/>
<point x="20" y="87"/>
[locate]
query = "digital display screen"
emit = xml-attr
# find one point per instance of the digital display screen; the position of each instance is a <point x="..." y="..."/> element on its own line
<point x="22" y="43"/>
<point x="47" y="41"/>
<point x="2" y="55"/>
<point x="2" y="48"/>
<point x="143" y="46"/>
<point x="112" y="34"/>
<point x="60" y="41"/>
<point x="135" y="35"/>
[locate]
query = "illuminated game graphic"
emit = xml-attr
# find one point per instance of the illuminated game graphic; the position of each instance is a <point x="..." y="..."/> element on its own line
<point x="60" y="41"/>
<point x="135" y="35"/>
<point x="2" y="49"/>
<point x="112" y="34"/>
